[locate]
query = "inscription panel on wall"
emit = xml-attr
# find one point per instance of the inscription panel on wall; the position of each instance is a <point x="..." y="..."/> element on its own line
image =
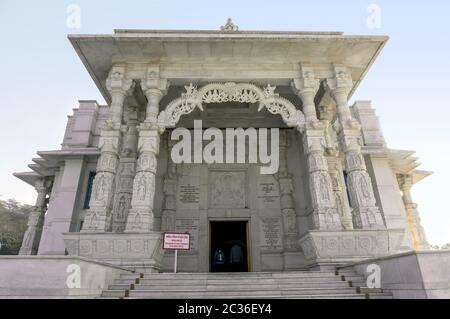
<point x="270" y="233"/>
<point x="188" y="193"/>
<point x="188" y="225"/>
<point x="227" y="189"/>
<point x="188" y="187"/>
<point x="268" y="192"/>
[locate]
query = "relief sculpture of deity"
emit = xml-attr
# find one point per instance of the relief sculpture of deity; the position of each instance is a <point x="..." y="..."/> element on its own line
<point x="228" y="189"/>
<point x="364" y="188"/>
<point x="122" y="207"/>
<point x="142" y="188"/>
<point x="101" y="188"/>
<point x="324" y="189"/>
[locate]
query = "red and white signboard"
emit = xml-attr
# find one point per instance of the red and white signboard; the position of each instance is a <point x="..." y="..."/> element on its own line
<point x="177" y="241"/>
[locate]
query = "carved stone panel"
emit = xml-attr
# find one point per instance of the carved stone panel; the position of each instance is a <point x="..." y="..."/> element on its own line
<point x="188" y="187"/>
<point x="227" y="189"/>
<point x="268" y="192"/>
<point x="271" y="233"/>
<point x="102" y="189"/>
<point x="121" y="208"/>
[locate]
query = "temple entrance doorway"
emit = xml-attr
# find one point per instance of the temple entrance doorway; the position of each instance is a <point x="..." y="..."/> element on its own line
<point x="229" y="246"/>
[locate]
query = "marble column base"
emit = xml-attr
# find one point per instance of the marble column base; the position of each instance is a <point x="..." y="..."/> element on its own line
<point x="326" y="249"/>
<point x="137" y="251"/>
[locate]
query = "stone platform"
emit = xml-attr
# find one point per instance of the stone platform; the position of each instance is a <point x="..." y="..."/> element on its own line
<point x="326" y="249"/>
<point x="137" y="251"/>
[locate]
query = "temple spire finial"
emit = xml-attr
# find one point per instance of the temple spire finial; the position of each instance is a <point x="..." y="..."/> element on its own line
<point x="229" y="26"/>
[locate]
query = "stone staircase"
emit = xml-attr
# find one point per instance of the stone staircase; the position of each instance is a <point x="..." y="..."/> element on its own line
<point x="342" y="284"/>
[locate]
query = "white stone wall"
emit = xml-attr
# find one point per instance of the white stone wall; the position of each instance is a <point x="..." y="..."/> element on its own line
<point x="413" y="275"/>
<point x="49" y="277"/>
<point x="83" y="130"/>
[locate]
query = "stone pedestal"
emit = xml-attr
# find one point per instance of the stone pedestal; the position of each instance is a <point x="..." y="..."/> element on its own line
<point x="139" y="251"/>
<point x="324" y="249"/>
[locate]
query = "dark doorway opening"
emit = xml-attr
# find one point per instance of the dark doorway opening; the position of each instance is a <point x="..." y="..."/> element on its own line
<point x="229" y="251"/>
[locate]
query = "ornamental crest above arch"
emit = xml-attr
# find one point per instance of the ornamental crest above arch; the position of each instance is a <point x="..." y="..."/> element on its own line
<point x="231" y="92"/>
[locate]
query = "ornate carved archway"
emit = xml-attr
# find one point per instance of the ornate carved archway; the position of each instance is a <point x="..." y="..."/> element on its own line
<point x="230" y="92"/>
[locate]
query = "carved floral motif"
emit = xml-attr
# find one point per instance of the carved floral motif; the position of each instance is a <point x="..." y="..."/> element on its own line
<point x="230" y="92"/>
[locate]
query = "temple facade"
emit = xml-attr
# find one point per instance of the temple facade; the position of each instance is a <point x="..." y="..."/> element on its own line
<point x="339" y="194"/>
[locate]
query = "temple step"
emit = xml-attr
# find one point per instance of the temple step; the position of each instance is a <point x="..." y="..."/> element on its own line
<point x="294" y="284"/>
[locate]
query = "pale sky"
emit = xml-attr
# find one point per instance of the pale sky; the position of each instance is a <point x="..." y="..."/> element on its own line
<point x="42" y="78"/>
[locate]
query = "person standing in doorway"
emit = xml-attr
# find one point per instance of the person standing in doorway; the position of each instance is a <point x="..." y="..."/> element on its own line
<point x="218" y="260"/>
<point x="236" y="257"/>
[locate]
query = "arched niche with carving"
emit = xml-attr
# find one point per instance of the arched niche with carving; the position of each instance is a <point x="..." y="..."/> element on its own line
<point x="230" y="92"/>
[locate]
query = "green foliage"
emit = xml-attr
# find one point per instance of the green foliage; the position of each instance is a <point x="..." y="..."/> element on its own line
<point x="13" y="223"/>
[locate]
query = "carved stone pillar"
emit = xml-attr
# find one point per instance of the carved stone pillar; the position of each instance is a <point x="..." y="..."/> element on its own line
<point x="32" y="236"/>
<point x="154" y="88"/>
<point x="340" y="193"/>
<point x="126" y="173"/>
<point x="412" y="214"/>
<point x="366" y="214"/>
<point x="98" y="218"/>
<point x="141" y="217"/>
<point x="286" y="200"/>
<point x="336" y="170"/>
<point x="325" y="215"/>
<point x="170" y="190"/>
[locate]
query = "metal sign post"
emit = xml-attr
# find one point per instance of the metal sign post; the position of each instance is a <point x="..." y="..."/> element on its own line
<point x="176" y="261"/>
<point x="176" y="241"/>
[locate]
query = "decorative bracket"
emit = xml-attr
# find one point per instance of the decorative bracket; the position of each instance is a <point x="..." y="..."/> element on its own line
<point x="231" y="92"/>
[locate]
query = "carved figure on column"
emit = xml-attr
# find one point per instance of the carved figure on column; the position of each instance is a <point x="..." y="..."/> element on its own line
<point x="126" y="172"/>
<point x="32" y="236"/>
<point x="366" y="214"/>
<point x="99" y="216"/>
<point x="325" y="214"/>
<point x="420" y="241"/>
<point x="340" y="195"/>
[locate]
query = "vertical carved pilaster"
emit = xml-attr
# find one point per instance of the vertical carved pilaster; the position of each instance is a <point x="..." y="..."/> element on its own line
<point x="366" y="214"/>
<point x="340" y="193"/>
<point x="286" y="199"/>
<point x="324" y="215"/>
<point x="170" y="191"/>
<point x="126" y="173"/>
<point x="336" y="170"/>
<point x="141" y="216"/>
<point x="32" y="236"/>
<point x="412" y="214"/>
<point x="99" y="217"/>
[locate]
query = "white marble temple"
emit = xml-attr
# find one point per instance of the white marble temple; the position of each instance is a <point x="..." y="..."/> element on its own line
<point x="340" y="194"/>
